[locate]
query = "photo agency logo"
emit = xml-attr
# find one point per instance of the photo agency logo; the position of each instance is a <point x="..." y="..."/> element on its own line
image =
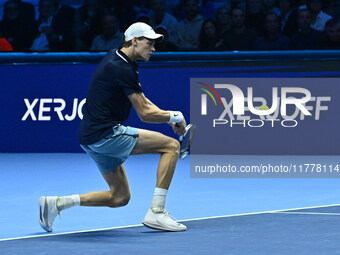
<point x="228" y="105"/>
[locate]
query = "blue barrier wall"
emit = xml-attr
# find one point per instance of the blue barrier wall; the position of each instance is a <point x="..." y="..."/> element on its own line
<point x="42" y="94"/>
<point x="40" y="104"/>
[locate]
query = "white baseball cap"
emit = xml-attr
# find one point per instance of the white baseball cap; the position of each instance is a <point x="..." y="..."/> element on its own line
<point x="139" y="29"/>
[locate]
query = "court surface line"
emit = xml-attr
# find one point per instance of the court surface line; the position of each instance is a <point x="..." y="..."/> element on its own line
<point x="139" y="225"/>
<point x="275" y="211"/>
<point x="338" y="214"/>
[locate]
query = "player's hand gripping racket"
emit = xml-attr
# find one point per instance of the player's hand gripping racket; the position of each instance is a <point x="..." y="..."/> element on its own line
<point x="186" y="140"/>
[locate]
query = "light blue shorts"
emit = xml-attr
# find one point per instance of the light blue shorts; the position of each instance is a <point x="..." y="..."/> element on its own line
<point x="113" y="150"/>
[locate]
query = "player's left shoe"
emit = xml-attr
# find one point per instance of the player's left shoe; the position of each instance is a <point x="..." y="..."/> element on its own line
<point x="161" y="220"/>
<point x="47" y="212"/>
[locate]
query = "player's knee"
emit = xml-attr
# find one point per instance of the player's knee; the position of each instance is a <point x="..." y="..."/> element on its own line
<point x="124" y="201"/>
<point x="174" y="146"/>
<point x="119" y="201"/>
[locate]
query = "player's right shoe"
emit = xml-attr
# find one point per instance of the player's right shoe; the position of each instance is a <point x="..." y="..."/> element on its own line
<point x="47" y="212"/>
<point x="161" y="220"/>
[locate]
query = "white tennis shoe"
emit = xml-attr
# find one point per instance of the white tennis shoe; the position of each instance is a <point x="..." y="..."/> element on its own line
<point x="161" y="220"/>
<point x="47" y="212"/>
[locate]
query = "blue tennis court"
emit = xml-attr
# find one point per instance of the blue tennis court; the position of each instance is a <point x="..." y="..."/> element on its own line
<point x="223" y="216"/>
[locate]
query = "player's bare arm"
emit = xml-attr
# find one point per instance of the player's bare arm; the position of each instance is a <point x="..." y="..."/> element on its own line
<point x="149" y="112"/>
<point x="146" y="110"/>
<point x="178" y="128"/>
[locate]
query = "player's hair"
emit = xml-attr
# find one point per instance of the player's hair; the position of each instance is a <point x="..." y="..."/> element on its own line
<point x="129" y="43"/>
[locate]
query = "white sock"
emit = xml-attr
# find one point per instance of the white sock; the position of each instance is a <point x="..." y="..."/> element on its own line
<point x="68" y="202"/>
<point x="158" y="201"/>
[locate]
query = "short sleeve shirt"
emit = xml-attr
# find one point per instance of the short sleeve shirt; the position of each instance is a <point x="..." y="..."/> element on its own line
<point x="107" y="102"/>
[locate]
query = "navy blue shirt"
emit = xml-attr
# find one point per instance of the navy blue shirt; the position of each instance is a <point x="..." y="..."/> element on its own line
<point x="310" y="41"/>
<point x="107" y="102"/>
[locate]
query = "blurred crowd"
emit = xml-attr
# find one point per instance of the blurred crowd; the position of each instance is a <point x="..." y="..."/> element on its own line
<point x="189" y="25"/>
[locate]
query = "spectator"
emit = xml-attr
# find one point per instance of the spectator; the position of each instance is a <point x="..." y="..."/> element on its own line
<point x="273" y="39"/>
<point x="239" y="3"/>
<point x="289" y="25"/>
<point x="5" y="45"/>
<point x="27" y="11"/>
<point x="255" y="15"/>
<point x="334" y="9"/>
<point x="207" y="9"/>
<point x="319" y="18"/>
<point x="64" y="12"/>
<point x="55" y="31"/>
<point x="240" y="37"/>
<point x="111" y="37"/>
<point x="307" y="38"/>
<point x="270" y="6"/>
<point x="141" y="6"/>
<point x="164" y="45"/>
<point x="171" y="5"/>
<point x="161" y="17"/>
<point x="208" y="36"/>
<point x="223" y="21"/>
<point x="143" y="17"/>
<point x="87" y="24"/>
<point x="124" y="10"/>
<point x="332" y="35"/>
<point x="18" y="29"/>
<point x="300" y="3"/>
<point x="178" y="10"/>
<point x="186" y="32"/>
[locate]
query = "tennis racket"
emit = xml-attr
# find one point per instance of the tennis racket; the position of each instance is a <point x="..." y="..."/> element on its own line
<point x="186" y="140"/>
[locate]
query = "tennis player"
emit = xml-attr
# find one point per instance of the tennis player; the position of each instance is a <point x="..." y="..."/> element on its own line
<point x="113" y="91"/>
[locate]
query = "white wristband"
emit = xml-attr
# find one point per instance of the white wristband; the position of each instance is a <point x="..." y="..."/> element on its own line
<point x="175" y="116"/>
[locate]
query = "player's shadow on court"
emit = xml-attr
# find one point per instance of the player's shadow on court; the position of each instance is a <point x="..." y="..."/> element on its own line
<point x="108" y="236"/>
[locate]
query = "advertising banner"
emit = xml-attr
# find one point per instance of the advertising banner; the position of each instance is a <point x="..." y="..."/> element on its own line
<point x="41" y="105"/>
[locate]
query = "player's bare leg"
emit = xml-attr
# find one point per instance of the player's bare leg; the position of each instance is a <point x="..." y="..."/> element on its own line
<point x="152" y="142"/>
<point x="118" y="195"/>
<point x="149" y="142"/>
